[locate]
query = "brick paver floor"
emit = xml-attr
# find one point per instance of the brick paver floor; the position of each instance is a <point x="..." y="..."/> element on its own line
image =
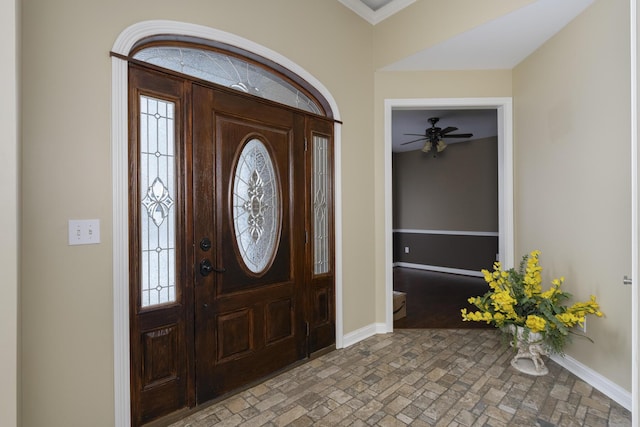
<point x="431" y="377"/>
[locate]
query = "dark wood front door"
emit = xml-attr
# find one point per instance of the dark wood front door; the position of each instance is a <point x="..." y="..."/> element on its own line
<point x="248" y="168"/>
<point x="231" y="277"/>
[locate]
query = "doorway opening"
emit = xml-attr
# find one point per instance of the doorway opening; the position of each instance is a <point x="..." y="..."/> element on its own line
<point x="127" y="40"/>
<point x="503" y="109"/>
<point x="445" y="212"/>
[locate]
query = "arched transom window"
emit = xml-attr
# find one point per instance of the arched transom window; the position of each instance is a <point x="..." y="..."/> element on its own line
<point x="225" y="69"/>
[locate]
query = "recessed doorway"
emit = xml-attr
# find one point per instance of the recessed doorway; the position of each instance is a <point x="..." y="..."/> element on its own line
<point x="445" y="212"/>
<point x="157" y="206"/>
<point x="503" y="109"/>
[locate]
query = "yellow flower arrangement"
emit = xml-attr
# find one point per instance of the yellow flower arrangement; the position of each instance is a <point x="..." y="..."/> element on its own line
<point x="516" y="298"/>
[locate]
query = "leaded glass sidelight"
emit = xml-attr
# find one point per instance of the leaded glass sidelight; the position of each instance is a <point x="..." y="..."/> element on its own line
<point x="320" y="187"/>
<point x="230" y="71"/>
<point x="256" y="206"/>
<point x="157" y="195"/>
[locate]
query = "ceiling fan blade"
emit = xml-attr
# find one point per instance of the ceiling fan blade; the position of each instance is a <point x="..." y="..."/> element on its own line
<point x="447" y="130"/>
<point x="415" y="140"/>
<point x="415" y="134"/>
<point x="459" y="135"/>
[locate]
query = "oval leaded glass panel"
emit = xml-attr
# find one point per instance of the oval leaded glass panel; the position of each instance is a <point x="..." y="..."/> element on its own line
<point x="229" y="71"/>
<point x="256" y="206"/>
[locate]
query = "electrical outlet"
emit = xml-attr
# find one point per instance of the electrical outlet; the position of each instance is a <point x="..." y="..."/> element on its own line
<point x="84" y="231"/>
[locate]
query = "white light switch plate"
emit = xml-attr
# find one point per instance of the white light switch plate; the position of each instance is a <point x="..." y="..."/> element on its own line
<point x="84" y="231"/>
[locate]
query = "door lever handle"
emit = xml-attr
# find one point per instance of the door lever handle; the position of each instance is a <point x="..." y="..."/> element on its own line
<point x="206" y="268"/>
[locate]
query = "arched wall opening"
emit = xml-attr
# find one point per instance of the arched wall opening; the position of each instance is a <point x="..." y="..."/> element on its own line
<point x="119" y="152"/>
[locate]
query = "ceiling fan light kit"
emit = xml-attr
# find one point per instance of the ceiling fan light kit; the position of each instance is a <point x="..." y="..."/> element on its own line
<point x="435" y="136"/>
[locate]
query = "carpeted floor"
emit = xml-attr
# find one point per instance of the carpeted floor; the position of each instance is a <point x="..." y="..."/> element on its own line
<point x="434" y="299"/>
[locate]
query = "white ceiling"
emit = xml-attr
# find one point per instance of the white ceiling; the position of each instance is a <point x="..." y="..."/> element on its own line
<point x="376" y="4"/>
<point x="375" y="11"/>
<point x="498" y="44"/>
<point x="501" y="43"/>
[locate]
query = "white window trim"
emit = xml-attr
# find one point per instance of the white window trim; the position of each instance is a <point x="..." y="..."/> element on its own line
<point x="120" y="181"/>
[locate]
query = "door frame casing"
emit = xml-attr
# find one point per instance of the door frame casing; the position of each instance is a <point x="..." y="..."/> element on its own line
<point x="634" y="13"/>
<point x="504" y="108"/>
<point x="120" y="183"/>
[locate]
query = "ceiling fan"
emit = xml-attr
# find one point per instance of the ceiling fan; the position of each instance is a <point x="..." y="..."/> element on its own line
<point x="434" y="136"/>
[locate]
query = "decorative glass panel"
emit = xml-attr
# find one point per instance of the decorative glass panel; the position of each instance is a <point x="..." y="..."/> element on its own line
<point x="320" y="188"/>
<point x="229" y="71"/>
<point x="256" y="207"/>
<point x="157" y="192"/>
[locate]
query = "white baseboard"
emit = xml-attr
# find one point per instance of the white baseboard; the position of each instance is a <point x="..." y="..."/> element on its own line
<point x="447" y="232"/>
<point x="588" y="375"/>
<point x="595" y="380"/>
<point x="438" y="269"/>
<point x="363" y="333"/>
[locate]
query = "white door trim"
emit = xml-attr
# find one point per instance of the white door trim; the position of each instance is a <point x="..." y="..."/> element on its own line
<point x="635" y="218"/>
<point x="504" y="107"/>
<point x="120" y="180"/>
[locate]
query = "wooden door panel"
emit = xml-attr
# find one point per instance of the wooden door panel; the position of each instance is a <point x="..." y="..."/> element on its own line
<point x="159" y="354"/>
<point x="279" y="320"/>
<point x="162" y="365"/>
<point x="320" y="286"/>
<point x="322" y="315"/>
<point x="235" y="334"/>
<point x="278" y="141"/>
<point x="160" y="338"/>
<point x="248" y="323"/>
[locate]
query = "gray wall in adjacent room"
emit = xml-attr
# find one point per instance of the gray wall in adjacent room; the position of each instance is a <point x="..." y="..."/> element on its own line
<point x="455" y="191"/>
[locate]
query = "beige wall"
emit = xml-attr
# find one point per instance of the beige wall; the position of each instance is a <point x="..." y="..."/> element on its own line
<point x="9" y="152"/>
<point x="572" y="165"/>
<point x="67" y="290"/>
